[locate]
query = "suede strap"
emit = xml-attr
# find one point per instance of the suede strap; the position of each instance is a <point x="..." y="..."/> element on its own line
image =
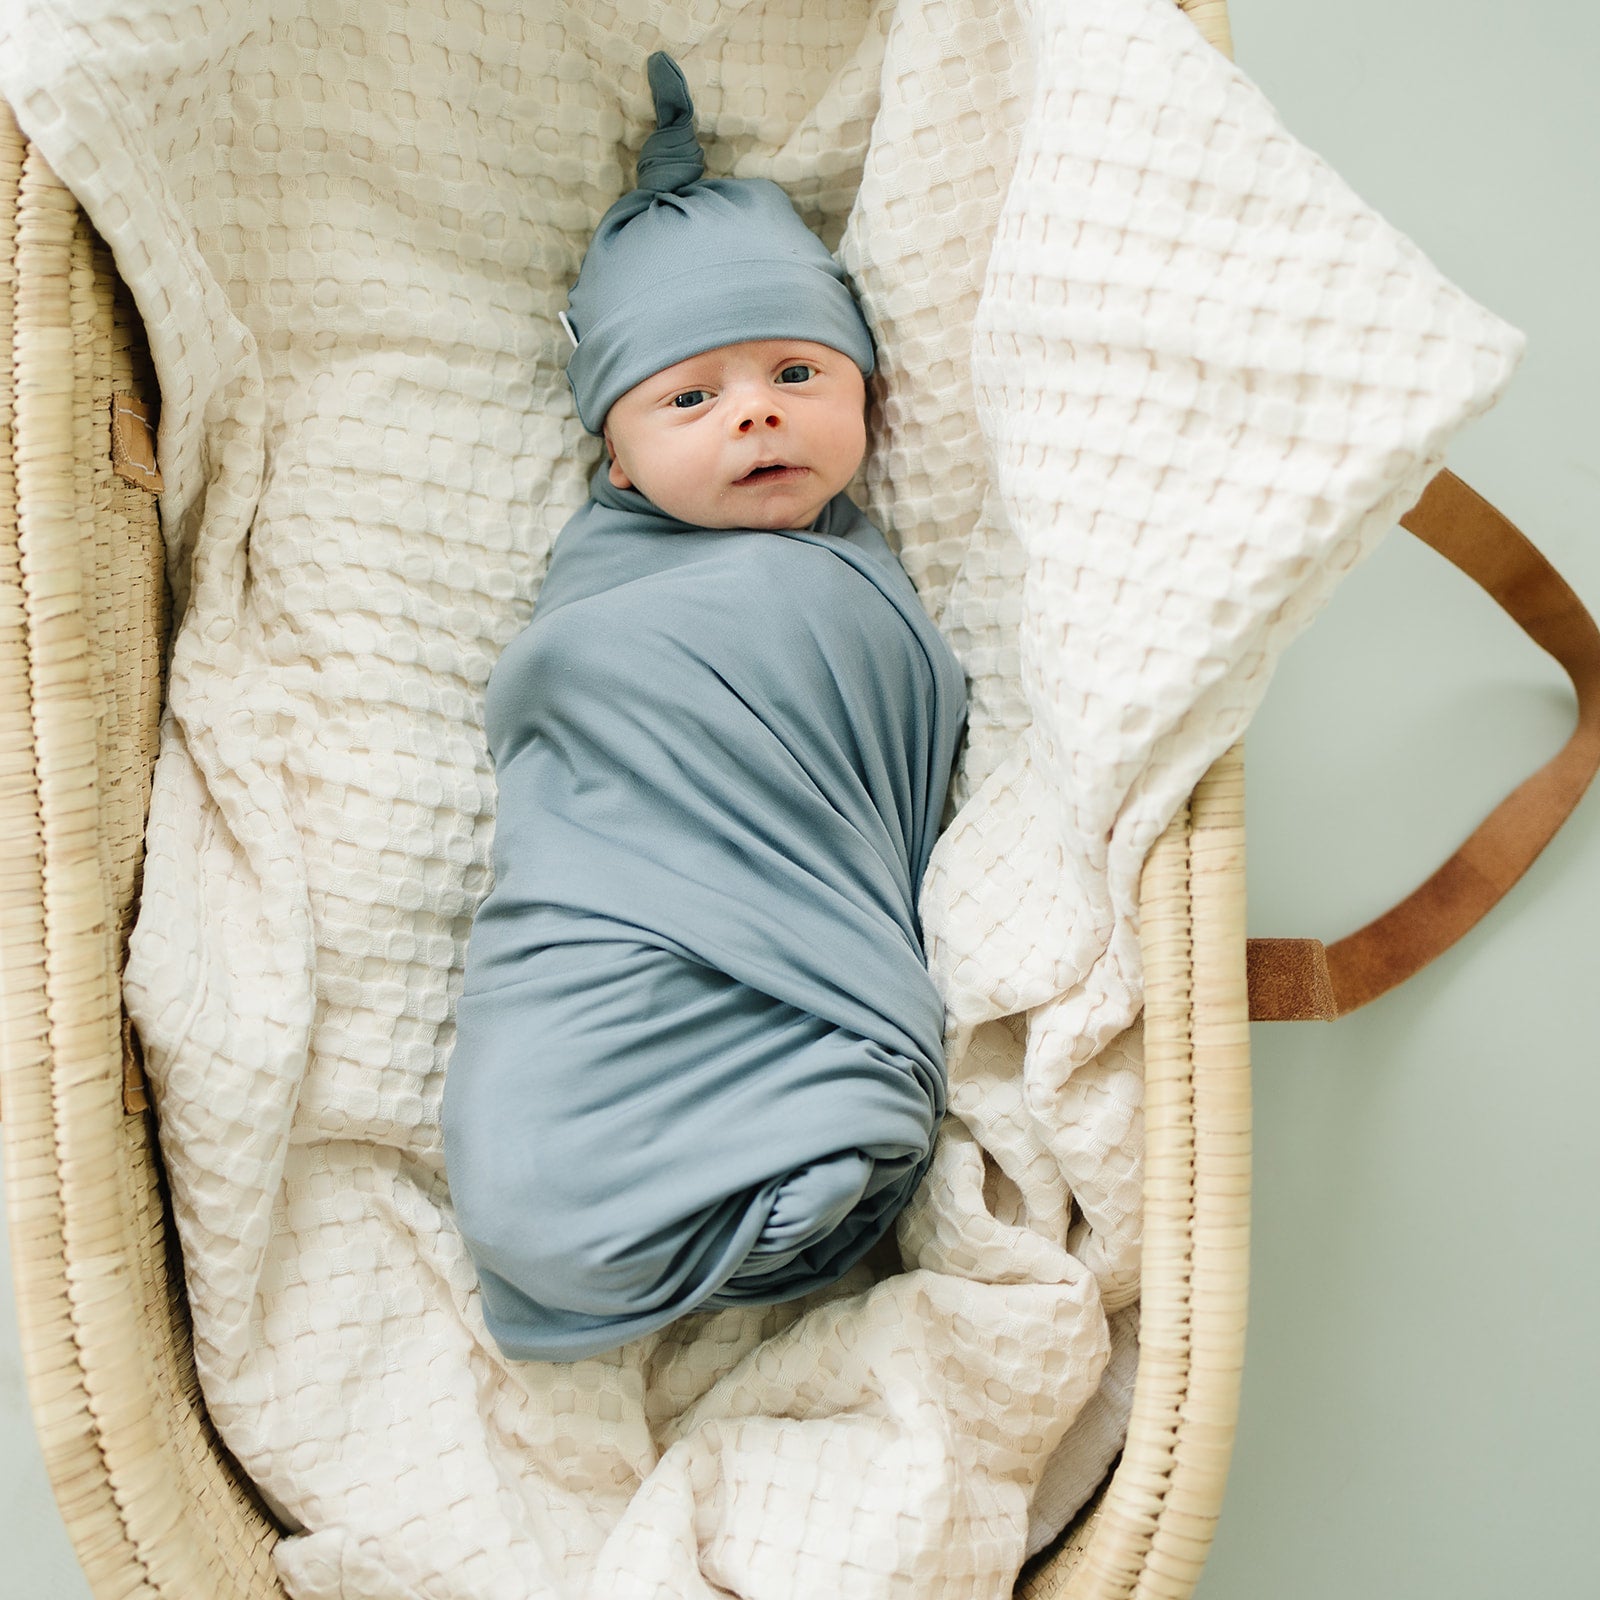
<point x="1298" y="980"/>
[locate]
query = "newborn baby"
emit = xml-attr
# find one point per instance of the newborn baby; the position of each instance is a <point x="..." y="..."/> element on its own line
<point x="698" y="1059"/>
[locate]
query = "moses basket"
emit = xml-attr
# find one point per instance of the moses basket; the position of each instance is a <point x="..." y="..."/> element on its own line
<point x="151" y="1499"/>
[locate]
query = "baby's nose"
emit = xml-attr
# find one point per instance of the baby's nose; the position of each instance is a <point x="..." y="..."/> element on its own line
<point x="759" y="412"/>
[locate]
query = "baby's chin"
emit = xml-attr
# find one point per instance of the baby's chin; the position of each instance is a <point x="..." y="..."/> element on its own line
<point x="781" y="522"/>
<point x="775" y="515"/>
<point x="789" y="523"/>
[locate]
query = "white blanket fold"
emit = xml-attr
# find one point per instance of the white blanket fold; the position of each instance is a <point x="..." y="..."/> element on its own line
<point x="1152" y="379"/>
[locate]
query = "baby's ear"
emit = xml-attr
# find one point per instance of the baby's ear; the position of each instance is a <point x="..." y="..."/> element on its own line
<point x="619" y="479"/>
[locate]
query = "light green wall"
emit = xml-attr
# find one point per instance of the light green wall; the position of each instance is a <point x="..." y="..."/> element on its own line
<point x="1422" y="1387"/>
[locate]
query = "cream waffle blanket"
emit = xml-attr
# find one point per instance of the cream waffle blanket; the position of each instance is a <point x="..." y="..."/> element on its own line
<point x="1153" y="378"/>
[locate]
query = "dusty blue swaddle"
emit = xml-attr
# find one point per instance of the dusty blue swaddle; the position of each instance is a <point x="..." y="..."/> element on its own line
<point x="698" y="1060"/>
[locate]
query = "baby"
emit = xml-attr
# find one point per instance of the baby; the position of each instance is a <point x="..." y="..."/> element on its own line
<point x="699" y="1055"/>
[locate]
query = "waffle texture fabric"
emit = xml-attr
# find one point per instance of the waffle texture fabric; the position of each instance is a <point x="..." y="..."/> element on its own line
<point x="1151" y="380"/>
<point x="699" y="1059"/>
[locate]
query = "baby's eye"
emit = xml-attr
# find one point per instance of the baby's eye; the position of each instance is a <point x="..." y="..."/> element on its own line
<point x="789" y="374"/>
<point x="689" y="397"/>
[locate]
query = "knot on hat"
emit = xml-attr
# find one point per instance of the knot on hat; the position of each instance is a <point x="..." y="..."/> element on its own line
<point x="672" y="157"/>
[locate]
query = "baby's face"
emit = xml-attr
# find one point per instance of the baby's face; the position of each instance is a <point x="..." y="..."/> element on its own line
<point x="761" y="434"/>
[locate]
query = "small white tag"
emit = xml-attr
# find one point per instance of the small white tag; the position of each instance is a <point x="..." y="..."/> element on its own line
<point x="568" y="326"/>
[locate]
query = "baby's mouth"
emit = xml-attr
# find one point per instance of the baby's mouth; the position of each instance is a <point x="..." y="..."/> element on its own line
<point x="770" y="473"/>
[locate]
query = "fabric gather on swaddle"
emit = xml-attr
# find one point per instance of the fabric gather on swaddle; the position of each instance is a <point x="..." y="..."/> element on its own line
<point x="698" y="1059"/>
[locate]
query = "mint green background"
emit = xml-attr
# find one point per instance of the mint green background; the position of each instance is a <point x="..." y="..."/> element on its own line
<point x="1422" y="1386"/>
<point x="1422" y="1395"/>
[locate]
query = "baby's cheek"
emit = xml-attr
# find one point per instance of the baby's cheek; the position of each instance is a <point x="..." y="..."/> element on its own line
<point x="854" y="448"/>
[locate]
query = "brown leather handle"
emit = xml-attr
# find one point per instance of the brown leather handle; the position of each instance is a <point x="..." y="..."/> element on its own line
<point x="1298" y="980"/>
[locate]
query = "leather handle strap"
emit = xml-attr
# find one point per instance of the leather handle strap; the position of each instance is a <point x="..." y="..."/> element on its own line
<point x="1298" y="980"/>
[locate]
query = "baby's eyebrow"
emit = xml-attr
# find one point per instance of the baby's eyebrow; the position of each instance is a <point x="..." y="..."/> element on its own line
<point x="696" y="377"/>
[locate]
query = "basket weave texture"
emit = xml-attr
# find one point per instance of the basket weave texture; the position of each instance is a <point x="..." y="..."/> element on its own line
<point x="155" y="1506"/>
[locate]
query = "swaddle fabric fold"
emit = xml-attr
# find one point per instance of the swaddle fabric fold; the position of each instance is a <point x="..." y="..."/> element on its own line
<point x="699" y="1058"/>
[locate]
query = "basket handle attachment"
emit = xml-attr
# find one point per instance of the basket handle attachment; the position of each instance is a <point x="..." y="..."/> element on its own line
<point x="1300" y="980"/>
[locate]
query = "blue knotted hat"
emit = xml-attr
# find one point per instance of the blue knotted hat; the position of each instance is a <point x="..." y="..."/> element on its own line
<point x="684" y="264"/>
